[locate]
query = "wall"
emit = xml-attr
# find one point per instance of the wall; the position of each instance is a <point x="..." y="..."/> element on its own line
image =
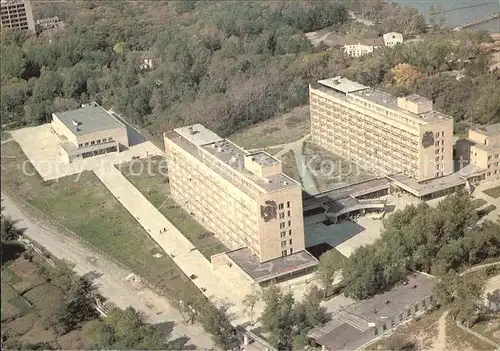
<point x="216" y="203"/>
<point x="118" y="134"/>
<point x="270" y="232"/>
<point x="427" y="156"/>
<point x="61" y="129"/>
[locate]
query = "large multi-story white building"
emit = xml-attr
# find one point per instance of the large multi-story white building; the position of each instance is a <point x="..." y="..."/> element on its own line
<point x="242" y="197"/>
<point x="381" y="132"/>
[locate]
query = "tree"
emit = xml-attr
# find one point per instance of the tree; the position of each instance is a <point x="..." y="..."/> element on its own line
<point x="125" y="330"/>
<point x="328" y="266"/>
<point x="279" y="317"/>
<point x="77" y="304"/>
<point x="465" y="305"/>
<point x="249" y="303"/>
<point x="216" y="322"/>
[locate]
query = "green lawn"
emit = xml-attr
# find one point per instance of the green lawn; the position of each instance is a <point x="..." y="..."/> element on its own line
<point x="493" y="192"/>
<point x="330" y="170"/>
<point x="153" y="184"/>
<point x="275" y="131"/>
<point x="478" y="203"/>
<point x="290" y="166"/>
<point x="92" y="212"/>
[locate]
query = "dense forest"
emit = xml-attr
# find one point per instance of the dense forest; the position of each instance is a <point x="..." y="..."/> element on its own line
<point x="226" y="64"/>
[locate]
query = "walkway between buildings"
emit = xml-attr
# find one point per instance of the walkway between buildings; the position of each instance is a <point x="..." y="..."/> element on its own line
<point x="216" y="285"/>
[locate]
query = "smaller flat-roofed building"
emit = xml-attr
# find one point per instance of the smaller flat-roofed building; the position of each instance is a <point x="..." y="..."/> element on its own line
<point x="485" y="150"/>
<point x="362" y="321"/>
<point x="89" y="131"/>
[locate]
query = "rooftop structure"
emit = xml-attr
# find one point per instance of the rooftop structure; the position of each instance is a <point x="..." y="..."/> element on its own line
<point x="243" y="197"/>
<point x="89" y="131"/>
<point x="380" y="132"/>
<point x="362" y="321"/>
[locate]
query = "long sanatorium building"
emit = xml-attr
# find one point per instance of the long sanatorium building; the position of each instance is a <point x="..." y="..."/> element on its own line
<point x="379" y="132"/>
<point x="242" y="197"/>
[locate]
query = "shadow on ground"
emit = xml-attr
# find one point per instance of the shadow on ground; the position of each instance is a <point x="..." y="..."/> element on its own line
<point x="333" y="235"/>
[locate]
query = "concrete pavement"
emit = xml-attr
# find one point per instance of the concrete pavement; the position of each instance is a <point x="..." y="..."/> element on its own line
<point x="221" y="286"/>
<point x="111" y="279"/>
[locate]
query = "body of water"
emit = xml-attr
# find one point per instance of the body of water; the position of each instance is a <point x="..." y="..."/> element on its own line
<point x="459" y="12"/>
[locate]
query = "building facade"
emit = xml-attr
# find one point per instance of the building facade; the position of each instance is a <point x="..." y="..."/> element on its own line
<point x="485" y="150"/>
<point x="392" y="38"/>
<point x="89" y="131"/>
<point x="17" y="14"/>
<point x="361" y="47"/>
<point x="243" y="197"/>
<point x="379" y="132"/>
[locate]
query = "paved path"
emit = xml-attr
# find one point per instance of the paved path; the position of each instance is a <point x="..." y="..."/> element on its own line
<point x="440" y="344"/>
<point x="479" y="267"/>
<point x="218" y="285"/>
<point x="110" y="280"/>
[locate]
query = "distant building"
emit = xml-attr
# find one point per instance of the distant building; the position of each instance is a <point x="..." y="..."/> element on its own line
<point x="359" y="323"/>
<point x="89" y="131"/>
<point x="392" y="38"/>
<point x="485" y="150"/>
<point x="17" y="14"/>
<point x="361" y="47"/>
<point x="49" y="23"/>
<point x="382" y="133"/>
<point x="244" y="198"/>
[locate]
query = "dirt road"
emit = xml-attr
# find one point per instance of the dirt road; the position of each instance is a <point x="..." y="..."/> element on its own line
<point x="110" y="279"/>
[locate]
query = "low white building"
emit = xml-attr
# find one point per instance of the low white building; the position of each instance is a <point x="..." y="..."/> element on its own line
<point x="89" y="131"/>
<point x="361" y="47"/>
<point x="393" y="38"/>
<point x="492" y="293"/>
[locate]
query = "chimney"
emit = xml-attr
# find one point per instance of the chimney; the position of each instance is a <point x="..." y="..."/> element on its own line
<point x="191" y="131"/>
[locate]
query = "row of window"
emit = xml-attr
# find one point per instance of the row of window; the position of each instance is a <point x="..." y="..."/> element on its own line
<point x="283" y="243"/>
<point x="285" y="224"/>
<point x="491" y="156"/>
<point x="98" y="141"/>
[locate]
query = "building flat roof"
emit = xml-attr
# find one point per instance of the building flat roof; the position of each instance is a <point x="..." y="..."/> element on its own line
<point x="390" y="102"/>
<point x="342" y="84"/>
<point x="354" y="326"/>
<point x="198" y="134"/>
<point x="233" y="157"/>
<point x="427" y="187"/>
<point x="88" y="119"/>
<point x="490" y="130"/>
<point x="262" y="272"/>
<point x="341" y="87"/>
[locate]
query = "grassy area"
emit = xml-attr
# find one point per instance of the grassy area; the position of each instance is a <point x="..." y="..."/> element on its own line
<point x="280" y="130"/>
<point x="462" y="340"/>
<point x="153" y="183"/>
<point x="92" y="212"/>
<point x="493" y="192"/>
<point x="23" y="310"/>
<point x="329" y="170"/>
<point x="290" y="166"/>
<point x="490" y="328"/>
<point x="421" y="331"/>
<point x="478" y="203"/>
